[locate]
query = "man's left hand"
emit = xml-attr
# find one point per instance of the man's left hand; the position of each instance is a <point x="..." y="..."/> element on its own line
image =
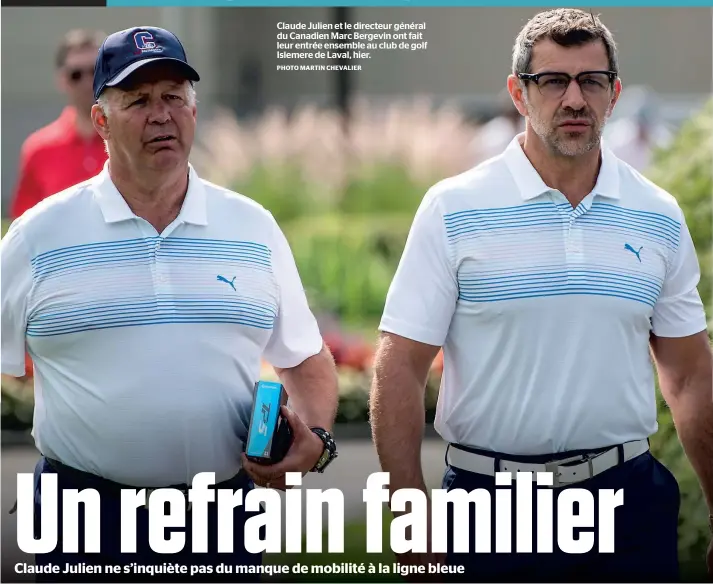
<point x="303" y="454"/>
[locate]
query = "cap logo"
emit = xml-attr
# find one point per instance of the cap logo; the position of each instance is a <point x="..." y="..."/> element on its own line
<point x="144" y="41"/>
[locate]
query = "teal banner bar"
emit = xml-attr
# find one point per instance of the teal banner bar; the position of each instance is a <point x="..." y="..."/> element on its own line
<point x="393" y="3"/>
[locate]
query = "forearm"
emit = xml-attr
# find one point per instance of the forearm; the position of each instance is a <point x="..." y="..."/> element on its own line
<point x="397" y="420"/>
<point x="691" y="404"/>
<point x="313" y="389"/>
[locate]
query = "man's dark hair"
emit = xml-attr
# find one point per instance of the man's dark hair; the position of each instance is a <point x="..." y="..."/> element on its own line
<point x="567" y="27"/>
<point x="77" y="39"/>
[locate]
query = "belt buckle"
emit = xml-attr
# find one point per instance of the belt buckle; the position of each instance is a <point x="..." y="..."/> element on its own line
<point x="552" y="467"/>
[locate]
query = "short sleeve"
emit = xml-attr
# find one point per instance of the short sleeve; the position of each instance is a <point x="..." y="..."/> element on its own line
<point x="423" y="294"/>
<point x="27" y="191"/>
<point x="15" y="285"/>
<point x="679" y="311"/>
<point x="295" y="335"/>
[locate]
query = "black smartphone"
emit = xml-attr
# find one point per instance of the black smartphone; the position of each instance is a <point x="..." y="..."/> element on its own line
<point x="269" y="433"/>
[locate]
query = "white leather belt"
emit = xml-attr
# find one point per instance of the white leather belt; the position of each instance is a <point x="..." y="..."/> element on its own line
<point x="563" y="471"/>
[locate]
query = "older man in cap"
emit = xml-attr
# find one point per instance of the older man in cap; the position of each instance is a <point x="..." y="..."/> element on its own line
<point x="147" y="299"/>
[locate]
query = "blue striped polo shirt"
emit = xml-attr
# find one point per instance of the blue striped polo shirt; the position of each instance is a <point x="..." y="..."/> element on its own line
<point x="146" y="346"/>
<point x="544" y="311"/>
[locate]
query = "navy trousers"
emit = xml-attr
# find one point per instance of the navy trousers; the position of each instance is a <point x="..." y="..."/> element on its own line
<point x="111" y="553"/>
<point x="645" y="529"/>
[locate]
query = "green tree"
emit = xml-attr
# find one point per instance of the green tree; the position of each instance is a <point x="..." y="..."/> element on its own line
<point x="685" y="169"/>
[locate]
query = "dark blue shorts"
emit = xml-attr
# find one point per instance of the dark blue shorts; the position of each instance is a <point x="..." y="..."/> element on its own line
<point x="111" y="553"/>
<point x="646" y="532"/>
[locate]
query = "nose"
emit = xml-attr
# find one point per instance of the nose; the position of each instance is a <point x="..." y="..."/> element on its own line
<point x="159" y="112"/>
<point x="573" y="97"/>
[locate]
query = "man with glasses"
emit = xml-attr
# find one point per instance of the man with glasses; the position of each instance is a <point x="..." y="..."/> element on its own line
<point x="549" y="275"/>
<point x="68" y="150"/>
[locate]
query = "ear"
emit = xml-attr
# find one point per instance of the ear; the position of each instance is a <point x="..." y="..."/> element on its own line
<point x="615" y="95"/>
<point x="100" y="121"/>
<point x="516" y="93"/>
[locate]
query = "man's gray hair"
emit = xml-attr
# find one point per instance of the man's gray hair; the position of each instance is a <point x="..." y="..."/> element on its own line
<point x="567" y="27"/>
<point x="104" y="101"/>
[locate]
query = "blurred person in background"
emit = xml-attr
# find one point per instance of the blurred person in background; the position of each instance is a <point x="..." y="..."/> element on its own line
<point x="69" y="150"/>
<point x="492" y="137"/>
<point x="148" y="298"/>
<point x="550" y="275"/>
<point x="638" y="130"/>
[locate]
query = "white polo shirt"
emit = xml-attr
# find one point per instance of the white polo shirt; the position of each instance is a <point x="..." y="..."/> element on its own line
<point x="147" y="346"/>
<point x="544" y="311"/>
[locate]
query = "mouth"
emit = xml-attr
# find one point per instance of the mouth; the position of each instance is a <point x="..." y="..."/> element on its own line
<point x="574" y="124"/>
<point x="164" y="139"/>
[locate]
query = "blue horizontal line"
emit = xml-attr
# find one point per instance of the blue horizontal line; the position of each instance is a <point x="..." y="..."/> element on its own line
<point x="497" y="212"/>
<point x="149" y="244"/>
<point x="83" y="266"/>
<point x="103" y="245"/>
<point x="46" y="331"/>
<point x="559" y="282"/>
<point x="471" y="275"/>
<point x="175" y="298"/>
<point x="496" y="289"/>
<point x="149" y="254"/>
<point x="630" y="225"/>
<point x="197" y="241"/>
<point x="600" y="222"/>
<point x="214" y="255"/>
<point x="494" y="226"/>
<point x="84" y="253"/>
<point x="576" y="273"/>
<point x="652" y="223"/>
<point x="154" y="305"/>
<point x="607" y="207"/>
<point x="568" y="292"/>
<point x="62" y="265"/>
<point x="484" y="219"/>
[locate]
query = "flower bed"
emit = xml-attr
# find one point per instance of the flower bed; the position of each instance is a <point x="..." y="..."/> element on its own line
<point x="354" y="369"/>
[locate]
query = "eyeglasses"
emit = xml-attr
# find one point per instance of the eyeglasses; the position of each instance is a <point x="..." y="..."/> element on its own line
<point x="75" y="75"/>
<point x="554" y="85"/>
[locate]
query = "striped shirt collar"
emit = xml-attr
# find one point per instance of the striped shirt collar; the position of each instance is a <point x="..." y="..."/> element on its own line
<point x="114" y="207"/>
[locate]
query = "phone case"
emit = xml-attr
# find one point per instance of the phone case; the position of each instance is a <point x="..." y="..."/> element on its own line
<point x="269" y="434"/>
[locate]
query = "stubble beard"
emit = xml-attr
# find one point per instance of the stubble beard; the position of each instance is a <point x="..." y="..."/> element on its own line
<point x="566" y="144"/>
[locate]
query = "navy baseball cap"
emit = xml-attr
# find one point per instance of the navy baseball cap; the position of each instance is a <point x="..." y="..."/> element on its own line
<point x="125" y="51"/>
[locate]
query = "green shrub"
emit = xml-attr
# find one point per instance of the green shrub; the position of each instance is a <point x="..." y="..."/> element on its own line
<point x="347" y="262"/>
<point x="685" y="169"/>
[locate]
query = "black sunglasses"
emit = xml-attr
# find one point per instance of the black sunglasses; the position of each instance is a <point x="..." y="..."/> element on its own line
<point x="76" y="75"/>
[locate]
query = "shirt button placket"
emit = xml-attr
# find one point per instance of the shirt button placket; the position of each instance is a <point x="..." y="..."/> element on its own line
<point x="155" y="268"/>
<point x="159" y="267"/>
<point x="574" y="239"/>
<point x="163" y="286"/>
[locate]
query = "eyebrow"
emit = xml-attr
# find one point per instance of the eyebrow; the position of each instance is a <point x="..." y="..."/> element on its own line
<point x="131" y="94"/>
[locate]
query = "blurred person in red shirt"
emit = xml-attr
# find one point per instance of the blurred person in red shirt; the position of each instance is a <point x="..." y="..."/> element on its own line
<point x="68" y="150"/>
